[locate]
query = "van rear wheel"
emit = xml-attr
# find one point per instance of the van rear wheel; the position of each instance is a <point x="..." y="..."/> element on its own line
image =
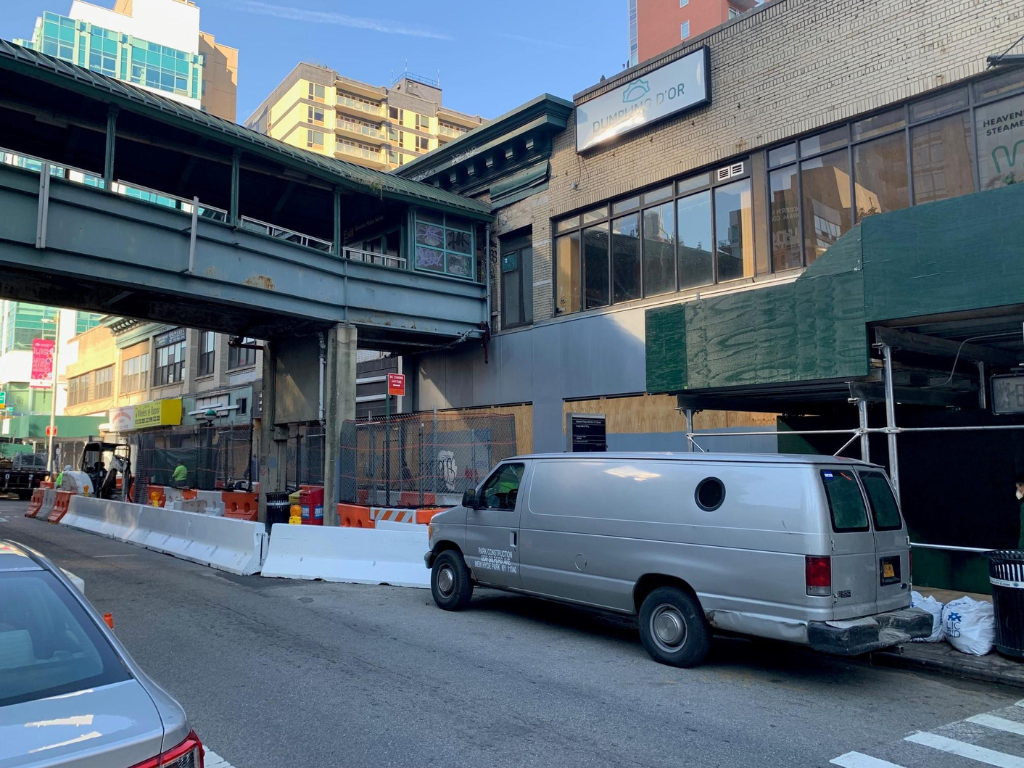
<point x="450" y="583"/>
<point x="673" y="628"/>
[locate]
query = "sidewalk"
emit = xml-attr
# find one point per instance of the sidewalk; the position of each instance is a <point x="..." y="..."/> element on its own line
<point x="942" y="657"/>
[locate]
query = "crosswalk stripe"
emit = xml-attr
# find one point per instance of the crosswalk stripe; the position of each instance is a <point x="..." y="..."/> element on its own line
<point x="857" y="760"/>
<point x="998" y="723"/>
<point x="970" y="751"/>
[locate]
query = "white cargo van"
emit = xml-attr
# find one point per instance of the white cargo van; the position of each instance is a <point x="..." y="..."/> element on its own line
<point x="807" y="549"/>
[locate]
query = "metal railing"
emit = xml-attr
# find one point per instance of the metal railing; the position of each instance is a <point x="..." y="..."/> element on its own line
<point x="370" y="109"/>
<point x="66" y="172"/>
<point x="166" y="200"/>
<point x="447" y="130"/>
<point x="369" y="154"/>
<point x="369" y="257"/>
<point x="362" y="128"/>
<point x="288" y="235"/>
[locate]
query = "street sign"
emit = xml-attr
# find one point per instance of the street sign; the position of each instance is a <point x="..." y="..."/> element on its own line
<point x="586" y="433"/>
<point x="51" y="431"/>
<point x="396" y="384"/>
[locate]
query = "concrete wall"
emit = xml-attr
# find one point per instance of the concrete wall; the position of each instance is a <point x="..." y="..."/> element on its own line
<point x="169" y="22"/>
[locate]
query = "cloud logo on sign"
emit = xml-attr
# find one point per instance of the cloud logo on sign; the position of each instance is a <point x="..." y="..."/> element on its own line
<point x="635" y="91"/>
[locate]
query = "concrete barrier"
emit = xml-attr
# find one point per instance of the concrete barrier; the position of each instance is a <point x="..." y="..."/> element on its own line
<point x="354" y="555"/>
<point x="236" y="546"/>
<point x="49" y="498"/>
<point x="113" y="519"/>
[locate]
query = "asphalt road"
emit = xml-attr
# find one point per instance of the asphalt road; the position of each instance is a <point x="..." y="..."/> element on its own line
<point x="300" y="674"/>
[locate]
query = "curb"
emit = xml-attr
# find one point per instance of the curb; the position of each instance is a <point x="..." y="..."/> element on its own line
<point x="991" y="668"/>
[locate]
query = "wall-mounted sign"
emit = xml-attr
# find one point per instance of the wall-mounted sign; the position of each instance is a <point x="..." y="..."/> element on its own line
<point x="585" y="433"/>
<point x="679" y="85"/>
<point x="42" y="364"/>
<point x="159" y="413"/>
<point x="167" y="338"/>
<point x="1007" y="394"/>
<point x="121" y="419"/>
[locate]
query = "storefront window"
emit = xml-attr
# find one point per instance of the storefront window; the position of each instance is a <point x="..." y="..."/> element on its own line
<point x="626" y="258"/>
<point x="659" y="225"/>
<point x="567" y="269"/>
<point x="734" y="231"/>
<point x="880" y="173"/>
<point x="516" y="283"/>
<point x="942" y="159"/>
<point x="826" y="201"/>
<point x="785" y="219"/>
<point x="943" y="104"/>
<point x="823" y="142"/>
<point x="886" y="122"/>
<point x="595" y="266"/>
<point x="1000" y="128"/>
<point x="695" y="262"/>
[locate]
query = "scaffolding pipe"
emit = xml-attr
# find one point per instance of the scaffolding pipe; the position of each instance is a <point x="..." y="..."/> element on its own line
<point x="846" y="445"/>
<point x="689" y="430"/>
<point x="862" y="416"/>
<point x="982" y="389"/>
<point x="890" y="421"/>
<point x="949" y="548"/>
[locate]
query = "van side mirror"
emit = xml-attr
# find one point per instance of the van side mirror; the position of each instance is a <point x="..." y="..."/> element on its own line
<point x="469" y="499"/>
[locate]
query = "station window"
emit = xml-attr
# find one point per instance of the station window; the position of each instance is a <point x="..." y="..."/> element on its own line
<point x="444" y="244"/>
<point x="675" y="237"/>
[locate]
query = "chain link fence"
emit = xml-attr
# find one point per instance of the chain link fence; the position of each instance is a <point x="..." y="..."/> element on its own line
<point x="216" y="457"/>
<point x="421" y="459"/>
<point x="306" y="456"/>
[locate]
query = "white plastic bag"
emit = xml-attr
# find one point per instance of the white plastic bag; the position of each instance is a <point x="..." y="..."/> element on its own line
<point x="934" y="607"/>
<point x="969" y="625"/>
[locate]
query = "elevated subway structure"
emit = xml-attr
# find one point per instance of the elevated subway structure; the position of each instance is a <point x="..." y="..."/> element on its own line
<point x="120" y="201"/>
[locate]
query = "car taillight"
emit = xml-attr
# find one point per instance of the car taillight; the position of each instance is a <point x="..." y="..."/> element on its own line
<point x="188" y="754"/>
<point x="819" y="575"/>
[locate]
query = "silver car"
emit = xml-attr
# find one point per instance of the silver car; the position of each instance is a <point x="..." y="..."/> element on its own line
<point x="804" y="549"/>
<point x="70" y="695"/>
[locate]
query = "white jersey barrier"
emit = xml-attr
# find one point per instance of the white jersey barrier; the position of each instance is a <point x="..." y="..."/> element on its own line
<point x="354" y="555"/>
<point x="236" y="546"/>
<point x="49" y="498"/>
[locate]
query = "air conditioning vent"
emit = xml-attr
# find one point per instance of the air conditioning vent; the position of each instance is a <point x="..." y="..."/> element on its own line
<point x="736" y="169"/>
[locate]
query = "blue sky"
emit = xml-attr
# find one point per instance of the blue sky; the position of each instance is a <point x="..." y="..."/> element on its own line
<point x="492" y="55"/>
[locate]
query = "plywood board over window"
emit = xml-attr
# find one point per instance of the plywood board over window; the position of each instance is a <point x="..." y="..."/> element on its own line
<point x="658" y="413"/>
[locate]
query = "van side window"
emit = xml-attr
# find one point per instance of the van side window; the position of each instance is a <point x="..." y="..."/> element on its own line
<point x="844" y="500"/>
<point x="883" y="504"/>
<point x="502" y="488"/>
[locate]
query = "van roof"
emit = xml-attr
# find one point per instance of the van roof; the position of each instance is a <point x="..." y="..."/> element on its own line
<point x="738" y="458"/>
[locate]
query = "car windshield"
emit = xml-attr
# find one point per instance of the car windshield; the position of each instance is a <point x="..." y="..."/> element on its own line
<point x="48" y="644"/>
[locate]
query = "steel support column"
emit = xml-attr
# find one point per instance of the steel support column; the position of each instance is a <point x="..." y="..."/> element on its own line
<point x="233" y="213"/>
<point x="862" y="416"/>
<point x="273" y="440"/>
<point x="108" y="156"/>
<point x="890" y="421"/>
<point x="340" y="404"/>
<point x="689" y="430"/>
<point x="337" y="222"/>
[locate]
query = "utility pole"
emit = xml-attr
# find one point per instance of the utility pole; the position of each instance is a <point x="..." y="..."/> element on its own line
<point x="53" y="396"/>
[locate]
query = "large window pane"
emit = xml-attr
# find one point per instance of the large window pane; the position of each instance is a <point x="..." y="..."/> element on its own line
<point x="734" y="231"/>
<point x="659" y="249"/>
<point x="785" y="209"/>
<point x="595" y="266"/>
<point x="568" y="277"/>
<point x="626" y="258"/>
<point x="941" y="159"/>
<point x="694" y="228"/>
<point x="823" y="142"/>
<point x="826" y="201"/>
<point x="1000" y="128"/>
<point x="880" y="173"/>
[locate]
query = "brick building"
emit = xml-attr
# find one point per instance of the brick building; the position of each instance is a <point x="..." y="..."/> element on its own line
<point x="655" y="26"/>
<point x="724" y="261"/>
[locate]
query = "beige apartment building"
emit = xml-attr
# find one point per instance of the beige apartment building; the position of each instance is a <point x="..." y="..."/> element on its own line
<point x="378" y="127"/>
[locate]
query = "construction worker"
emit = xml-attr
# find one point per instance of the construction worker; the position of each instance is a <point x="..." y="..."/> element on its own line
<point x="178" y="479"/>
<point x="60" y="477"/>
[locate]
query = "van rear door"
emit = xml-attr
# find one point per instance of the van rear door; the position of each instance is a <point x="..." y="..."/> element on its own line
<point x="892" y="554"/>
<point x="854" y="564"/>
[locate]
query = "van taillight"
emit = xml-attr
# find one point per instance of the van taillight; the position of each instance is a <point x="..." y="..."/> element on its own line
<point x="819" y="576"/>
<point x="188" y="754"/>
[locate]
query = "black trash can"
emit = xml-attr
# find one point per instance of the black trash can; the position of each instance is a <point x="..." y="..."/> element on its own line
<point x="278" y="509"/>
<point x="1006" y="574"/>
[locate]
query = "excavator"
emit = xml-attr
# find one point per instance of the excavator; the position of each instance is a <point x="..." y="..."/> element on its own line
<point x="104" y="463"/>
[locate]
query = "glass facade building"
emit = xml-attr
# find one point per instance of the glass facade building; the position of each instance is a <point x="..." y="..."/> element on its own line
<point x="118" y="55"/>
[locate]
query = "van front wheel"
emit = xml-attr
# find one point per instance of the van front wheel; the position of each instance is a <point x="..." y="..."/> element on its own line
<point x="450" y="584"/>
<point x="673" y="628"/>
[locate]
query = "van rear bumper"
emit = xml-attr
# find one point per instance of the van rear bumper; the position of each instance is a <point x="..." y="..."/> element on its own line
<point x="870" y="633"/>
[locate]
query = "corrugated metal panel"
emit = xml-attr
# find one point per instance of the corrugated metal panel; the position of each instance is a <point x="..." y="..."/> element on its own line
<point x="14" y="57"/>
